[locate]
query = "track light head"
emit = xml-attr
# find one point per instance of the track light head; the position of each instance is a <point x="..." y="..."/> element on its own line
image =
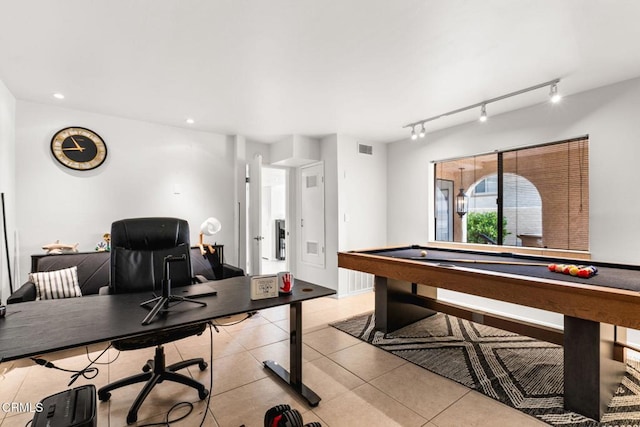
<point x="483" y="113"/>
<point x="413" y="133"/>
<point x="423" y="132"/>
<point x="554" y="96"/>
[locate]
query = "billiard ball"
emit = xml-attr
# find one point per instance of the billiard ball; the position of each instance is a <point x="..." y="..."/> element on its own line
<point x="423" y="253"/>
<point x="559" y="268"/>
<point x="587" y="272"/>
<point x="574" y="270"/>
<point x="551" y="267"/>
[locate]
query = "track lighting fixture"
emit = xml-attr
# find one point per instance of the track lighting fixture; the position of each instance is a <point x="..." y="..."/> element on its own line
<point x="483" y="113"/>
<point x="553" y="94"/>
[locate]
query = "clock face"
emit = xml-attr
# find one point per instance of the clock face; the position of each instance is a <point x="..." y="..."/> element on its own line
<point x="78" y="148"/>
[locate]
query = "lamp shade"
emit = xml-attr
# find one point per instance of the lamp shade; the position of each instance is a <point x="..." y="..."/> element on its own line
<point x="210" y="226"/>
<point x="462" y="203"/>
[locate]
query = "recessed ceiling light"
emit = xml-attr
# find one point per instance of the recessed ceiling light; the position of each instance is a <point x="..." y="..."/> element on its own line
<point x="190" y="121"/>
<point x="58" y="96"/>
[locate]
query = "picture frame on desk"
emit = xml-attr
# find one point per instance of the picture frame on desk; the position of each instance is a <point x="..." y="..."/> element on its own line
<point x="265" y="286"/>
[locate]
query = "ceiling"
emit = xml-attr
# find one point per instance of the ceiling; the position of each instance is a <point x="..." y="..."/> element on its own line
<point x="269" y="68"/>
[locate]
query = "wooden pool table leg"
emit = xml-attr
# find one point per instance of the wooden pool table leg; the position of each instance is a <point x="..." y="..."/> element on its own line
<point x="591" y="375"/>
<point x="393" y="307"/>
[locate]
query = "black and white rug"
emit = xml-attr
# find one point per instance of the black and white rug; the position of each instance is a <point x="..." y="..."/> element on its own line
<point x="518" y="371"/>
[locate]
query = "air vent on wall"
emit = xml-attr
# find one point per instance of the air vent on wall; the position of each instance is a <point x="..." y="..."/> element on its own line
<point x="312" y="248"/>
<point x="365" y="149"/>
<point x="311" y="181"/>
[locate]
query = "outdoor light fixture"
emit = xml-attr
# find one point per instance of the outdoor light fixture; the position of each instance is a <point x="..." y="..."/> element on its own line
<point x="462" y="200"/>
<point x="553" y="94"/>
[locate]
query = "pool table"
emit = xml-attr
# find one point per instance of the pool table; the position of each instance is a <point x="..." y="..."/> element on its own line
<point x="596" y="310"/>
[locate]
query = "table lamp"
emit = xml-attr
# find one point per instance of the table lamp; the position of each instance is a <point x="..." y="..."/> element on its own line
<point x="209" y="227"/>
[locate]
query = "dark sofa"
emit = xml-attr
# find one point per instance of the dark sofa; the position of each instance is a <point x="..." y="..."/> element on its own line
<point x="93" y="271"/>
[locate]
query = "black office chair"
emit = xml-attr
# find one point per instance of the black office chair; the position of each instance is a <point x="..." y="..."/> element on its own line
<point x="138" y="250"/>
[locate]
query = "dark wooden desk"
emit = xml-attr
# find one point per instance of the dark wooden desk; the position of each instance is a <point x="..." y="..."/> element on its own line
<point x="38" y="327"/>
<point x="406" y="285"/>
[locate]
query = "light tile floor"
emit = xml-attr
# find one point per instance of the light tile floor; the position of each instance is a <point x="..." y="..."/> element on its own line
<point x="360" y="385"/>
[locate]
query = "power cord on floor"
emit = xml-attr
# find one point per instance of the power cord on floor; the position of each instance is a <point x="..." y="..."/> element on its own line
<point x="89" y="372"/>
<point x="249" y="315"/>
<point x="169" y="421"/>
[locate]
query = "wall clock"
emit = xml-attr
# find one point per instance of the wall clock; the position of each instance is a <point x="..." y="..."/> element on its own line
<point x="78" y="148"/>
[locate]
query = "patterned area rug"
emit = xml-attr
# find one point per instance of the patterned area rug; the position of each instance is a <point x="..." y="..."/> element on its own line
<point x="518" y="371"/>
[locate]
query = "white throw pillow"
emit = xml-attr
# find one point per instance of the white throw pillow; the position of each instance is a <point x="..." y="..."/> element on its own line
<point x="56" y="284"/>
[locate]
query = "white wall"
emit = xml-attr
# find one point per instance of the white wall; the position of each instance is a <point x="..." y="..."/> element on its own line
<point x="239" y="259"/>
<point x="355" y="210"/>
<point x="608" y="115"/>
<point x="145" y="167"/>
<point x="362" y="195"/>
<point x="8" y="187"/>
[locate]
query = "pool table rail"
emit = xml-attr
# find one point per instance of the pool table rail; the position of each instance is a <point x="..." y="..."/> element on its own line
<point x="591" y="302"/>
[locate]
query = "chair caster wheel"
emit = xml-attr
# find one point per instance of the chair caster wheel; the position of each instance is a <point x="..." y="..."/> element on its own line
<point x="202" y="366"/>
<point x="203" y="394"/>
<point x="103" y="397"/>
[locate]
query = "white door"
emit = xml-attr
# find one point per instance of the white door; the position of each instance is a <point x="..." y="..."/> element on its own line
<point x="255" y="215"/>
<point x="312" y="214"/>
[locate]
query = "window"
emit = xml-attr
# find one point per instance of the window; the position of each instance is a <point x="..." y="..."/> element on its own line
<point x="487" y="185"/>
<point x="539" y="194"/>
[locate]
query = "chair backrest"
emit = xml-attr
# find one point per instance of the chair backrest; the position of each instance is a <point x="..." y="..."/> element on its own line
<point x="138" y="250"/>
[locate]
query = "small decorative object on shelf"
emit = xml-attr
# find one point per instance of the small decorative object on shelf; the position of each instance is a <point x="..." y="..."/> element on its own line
<point x="60" y="248"/>
<point x="285" y="282"/>
<point x="209" y="227"/>
<point x="105" y="244"/>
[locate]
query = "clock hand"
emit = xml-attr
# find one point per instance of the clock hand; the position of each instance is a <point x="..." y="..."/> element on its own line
<point x="78" y="147"/>
<point x="81" y="149"/>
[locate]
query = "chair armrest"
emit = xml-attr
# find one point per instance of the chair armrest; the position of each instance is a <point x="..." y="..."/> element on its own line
<point x="26" y="292"/>
<point x="104" y="290"/>
<point x="199" y="278"/>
